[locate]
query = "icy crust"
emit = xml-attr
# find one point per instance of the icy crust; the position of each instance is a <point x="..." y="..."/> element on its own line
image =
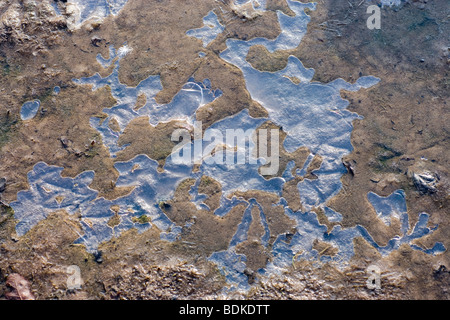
<point x="391" y="3"/>
<point x="29" y="109"/>
<point x="393" y="206"/>
<point x="210" y="30"/>
<point x="50" y="192"/>
<point x="182" y="107"/>
<point x="83" y="10"/>
<point x="312" y="114"/>
<point x="286" y="251"/>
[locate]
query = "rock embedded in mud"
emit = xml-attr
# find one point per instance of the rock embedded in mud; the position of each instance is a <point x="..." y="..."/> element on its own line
<point x="349" y="166"/>
<point x="98" y="256"/>
<point x="425" y="182"/>
<point x="95" y="41"/>
<point x="66" y="143"/>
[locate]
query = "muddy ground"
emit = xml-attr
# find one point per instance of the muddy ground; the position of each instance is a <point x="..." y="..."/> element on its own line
<point x="405" y="130"/>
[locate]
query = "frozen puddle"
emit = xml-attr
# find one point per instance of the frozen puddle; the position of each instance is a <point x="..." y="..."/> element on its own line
<point x="211" y="29"/>
<point x="29" y="109"/>
<point x="313" y="115"/>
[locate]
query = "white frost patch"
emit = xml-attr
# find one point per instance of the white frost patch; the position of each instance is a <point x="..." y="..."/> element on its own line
<point x="124" y="50"/>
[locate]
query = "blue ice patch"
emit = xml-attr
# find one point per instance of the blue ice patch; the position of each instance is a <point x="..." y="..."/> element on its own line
<point x="29" y="109"/>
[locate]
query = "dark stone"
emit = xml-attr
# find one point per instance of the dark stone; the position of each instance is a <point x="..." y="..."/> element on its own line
<point x="425" y="182"/>
<point x="95" y="41"/>
<point x="98" y="256"/>
<point x="441" y="273"/>
<point x="2" y="184"/>
<point x="65" y="142"/>
<point x="166" y="205"/>
<point x="349" y="167"/>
